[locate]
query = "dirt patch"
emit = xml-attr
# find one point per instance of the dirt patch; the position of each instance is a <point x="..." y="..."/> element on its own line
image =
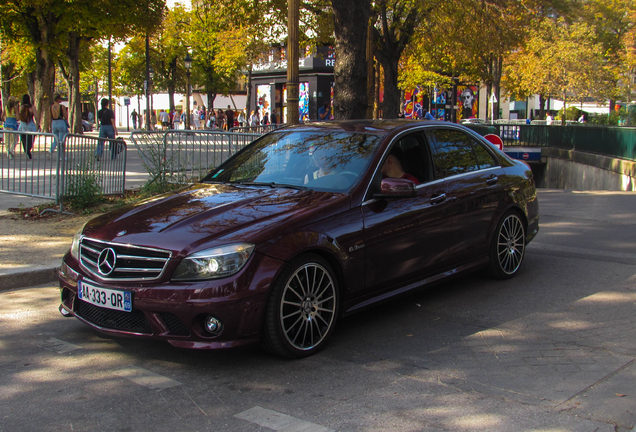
<point x="28" y="239"/>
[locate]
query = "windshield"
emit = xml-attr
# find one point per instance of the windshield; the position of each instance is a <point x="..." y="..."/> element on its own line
<point x="321" y="160"/>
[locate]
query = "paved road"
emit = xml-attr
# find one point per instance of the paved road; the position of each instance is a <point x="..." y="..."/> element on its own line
<point x="553" y="349"/>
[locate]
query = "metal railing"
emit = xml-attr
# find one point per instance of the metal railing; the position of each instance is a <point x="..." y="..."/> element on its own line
<point x="52" y="175"/>
<point x="617" y="142"/>
<point x="33" y="172"/>
<point x="184" y="156"/>
<point x="261" y="129"/>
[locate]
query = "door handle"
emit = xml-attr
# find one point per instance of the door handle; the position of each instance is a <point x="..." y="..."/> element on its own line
<point x="492" y="180"/>
<point x="436" y="199"/>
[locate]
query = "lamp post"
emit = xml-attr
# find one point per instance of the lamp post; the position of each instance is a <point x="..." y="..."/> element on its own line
<point x="188" y="64"/>
<point x="151" y="75"/>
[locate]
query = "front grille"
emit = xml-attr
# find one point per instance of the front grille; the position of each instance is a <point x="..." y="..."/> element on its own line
<point x="134" y="321"/>
<point x="174" y="324"/>
<point x="130" y="263"/>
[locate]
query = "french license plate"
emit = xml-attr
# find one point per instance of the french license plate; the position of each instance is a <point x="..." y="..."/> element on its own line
<point x="104" y="297"/>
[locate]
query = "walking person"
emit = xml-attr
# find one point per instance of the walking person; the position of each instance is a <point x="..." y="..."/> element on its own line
<point x="241" y="118"/>
<point x="107" y="129"/>
<point x="229" y="118"/>
<point x="255" y="118"/>
<point x="134" y="115"/>
<point x="176" y="120"/>
<point x="59" y="120"/>
<point x="153" y="120"/>
<point x="220" y="118"/>
<point x="11" y="123"/>
<point x="27" y="124"/>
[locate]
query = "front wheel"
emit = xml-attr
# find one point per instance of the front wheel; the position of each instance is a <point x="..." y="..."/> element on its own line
<point x="302" y="309"/>
<point x="508" y="247"/>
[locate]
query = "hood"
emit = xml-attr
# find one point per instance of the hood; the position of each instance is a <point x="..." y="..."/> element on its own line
<point x="212" y="214"/>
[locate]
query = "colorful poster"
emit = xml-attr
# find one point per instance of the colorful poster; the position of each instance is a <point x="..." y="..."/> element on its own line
<point x="413" y="103"/>
<point x="303" y="101"/>
<point x="467" y="102"/>
<point x="264" y="98"/>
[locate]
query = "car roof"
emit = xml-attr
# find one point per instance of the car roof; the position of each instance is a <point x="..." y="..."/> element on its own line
<point x="376" y="127"/>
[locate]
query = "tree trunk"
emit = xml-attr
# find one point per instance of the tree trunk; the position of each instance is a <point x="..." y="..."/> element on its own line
<point x="391" y="105"/>
<point x="73" y="80"/>
<point x="249" y="92"/>
<point x="172" y="84"/>
<point x="496" y="83"/>
<point x="42" y="89"/>
<point x="351" y="18"/>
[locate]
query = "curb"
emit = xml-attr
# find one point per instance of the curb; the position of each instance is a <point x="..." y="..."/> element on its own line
<point x="27" y="278"/>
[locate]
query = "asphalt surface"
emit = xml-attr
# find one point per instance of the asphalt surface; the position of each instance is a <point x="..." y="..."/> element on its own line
<point x="553" y="349"/>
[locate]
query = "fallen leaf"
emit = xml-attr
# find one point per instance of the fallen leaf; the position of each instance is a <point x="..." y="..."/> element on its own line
<point x="620" y="395"/>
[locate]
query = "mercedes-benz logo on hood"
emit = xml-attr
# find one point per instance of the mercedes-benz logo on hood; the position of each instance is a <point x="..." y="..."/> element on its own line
<point x="107" y="261"/>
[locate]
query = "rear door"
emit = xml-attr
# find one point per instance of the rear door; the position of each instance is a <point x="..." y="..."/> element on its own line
<point x="474" y="189"/>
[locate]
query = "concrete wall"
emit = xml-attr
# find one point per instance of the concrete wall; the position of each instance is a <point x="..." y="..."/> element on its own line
<point x="574" y="170"/>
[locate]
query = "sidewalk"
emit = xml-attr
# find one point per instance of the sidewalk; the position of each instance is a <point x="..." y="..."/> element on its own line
<point x="31" y="251"/>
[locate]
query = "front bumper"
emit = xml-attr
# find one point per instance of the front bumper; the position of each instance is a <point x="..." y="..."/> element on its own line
<point x="176" y="312"/>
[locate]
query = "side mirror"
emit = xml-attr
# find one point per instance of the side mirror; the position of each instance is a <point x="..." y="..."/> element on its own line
<point x="396" y="188"/>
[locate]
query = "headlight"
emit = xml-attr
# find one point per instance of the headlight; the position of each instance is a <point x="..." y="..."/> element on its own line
<point x="214" y="263"/>
<point x="76" y="243"/>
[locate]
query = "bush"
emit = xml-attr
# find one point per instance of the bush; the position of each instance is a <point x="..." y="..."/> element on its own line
<point x="82" y="188"/>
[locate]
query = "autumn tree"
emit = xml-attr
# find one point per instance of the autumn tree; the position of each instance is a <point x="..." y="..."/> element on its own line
<point x="561" y="60"/>
<point x="395" y="26"/>
<point x="36" y="21"/>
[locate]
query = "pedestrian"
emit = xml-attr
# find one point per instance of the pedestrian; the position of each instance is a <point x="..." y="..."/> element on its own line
<point x="153" y="120"/>
<point x="203" y="116"/>
<point x="164" y="117"/>
<point x="59" y="122"/>
<point x="107" y="129"/>
<point x="548" y="119"/>
<point x="27" y="124"/>
<point x="229" y="118"/>
<point x="220" y="118"/>
<point x="171" y="115"/>
<point x="428" y="115"/>
<point x="255" y="118"/>
<point x="274" y="119"/>
<point x="324" y="112"/>
<point x="197" y="119"/>
<point x="134" y="118"/>
<point x="241" y="118"/>
<point x="265" y="120"/>
<point x="91" y="117"/>
<point x="177" y="120"/>
<point x="11" y="123"/>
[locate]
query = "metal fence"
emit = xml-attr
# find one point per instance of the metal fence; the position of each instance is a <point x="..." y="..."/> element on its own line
<point x="262" y="129"/>
<point x="184" y="156"/>
<point x="54" y="175"/>
<point x="617" y="142"/>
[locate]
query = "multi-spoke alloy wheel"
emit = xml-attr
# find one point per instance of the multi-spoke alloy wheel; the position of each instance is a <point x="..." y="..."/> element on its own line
<point x="303" y="308"/>
<point x="508" y="247"/>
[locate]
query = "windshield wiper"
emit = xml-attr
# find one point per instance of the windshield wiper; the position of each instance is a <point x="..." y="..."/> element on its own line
<point x="274" y="185"/>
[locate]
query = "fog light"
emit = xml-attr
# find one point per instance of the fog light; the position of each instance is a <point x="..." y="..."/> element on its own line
<point x="64" y="312"/>
<point x="213" y="325"/>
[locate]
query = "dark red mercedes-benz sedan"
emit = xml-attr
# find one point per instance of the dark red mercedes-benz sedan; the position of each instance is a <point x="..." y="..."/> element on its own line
<point x="306" y="224"/>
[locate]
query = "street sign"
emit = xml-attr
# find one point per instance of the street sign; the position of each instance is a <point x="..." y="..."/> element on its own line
<point x="126" y="101"/>
<point x="493" y="99"/>
<point x="526" y="155"/>
<point x="495" y="140"/>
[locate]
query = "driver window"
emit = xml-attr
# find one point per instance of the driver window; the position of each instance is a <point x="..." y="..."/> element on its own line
<point x="408" y="159"/>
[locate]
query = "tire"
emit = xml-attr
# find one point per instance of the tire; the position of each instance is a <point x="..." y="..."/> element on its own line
<point x="302" y="308"/>
<point x="508" y="247"/>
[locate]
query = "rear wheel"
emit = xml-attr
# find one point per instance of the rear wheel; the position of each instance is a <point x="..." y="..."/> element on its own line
<point x="508" y="247"/>
<point x="302" y="310"/>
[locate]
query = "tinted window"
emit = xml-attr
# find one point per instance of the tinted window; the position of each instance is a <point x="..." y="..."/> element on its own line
<point x="414" y="158"/>
<point x="322" y="160"/>
<point x="484" y="158"/>
<point x="452" y="152"/>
